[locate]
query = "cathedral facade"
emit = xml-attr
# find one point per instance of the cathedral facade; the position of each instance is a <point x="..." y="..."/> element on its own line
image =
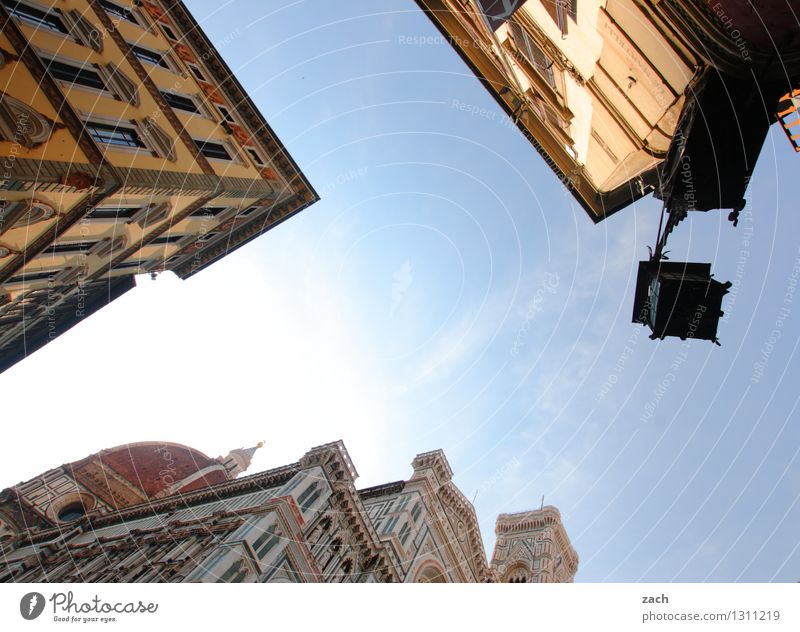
<point x="161" y="512"/>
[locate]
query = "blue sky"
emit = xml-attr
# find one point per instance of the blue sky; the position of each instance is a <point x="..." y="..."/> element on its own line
<point x="447" y="292"/>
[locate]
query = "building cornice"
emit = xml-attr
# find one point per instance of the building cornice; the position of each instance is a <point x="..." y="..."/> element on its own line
<point x="237" y="95"/>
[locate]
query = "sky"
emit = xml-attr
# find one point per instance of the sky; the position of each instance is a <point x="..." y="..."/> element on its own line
<point x="447" y="292"/>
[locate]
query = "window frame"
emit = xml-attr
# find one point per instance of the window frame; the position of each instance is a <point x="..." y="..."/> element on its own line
<point x="129" y="265"/>
<point x="533" y="52"/>
<point x="197" y="214"/>
<point x="137" y="19"/>
<point x="249" y="211"/>
<point x="199" y="107"/>
<point x="37" y="23"/>
<point x="205" y="238"/>
<point x="39" y="275"/>
<point x="226" y="114"/>
<point x="48" y="59"/>
<point x="129" y="126"/>
<point x="169" y="32"/>
<point x="68" y="248"/>
<point x="255" y="156"/>
<point x="197" y="72"/>
<point x="117" y="217"/>
<point x="166" y="240"/>
<point x="168" y="63"/>
<point x="233" y="155"/>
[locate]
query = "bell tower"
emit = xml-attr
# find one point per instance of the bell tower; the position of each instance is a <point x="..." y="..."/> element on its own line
<point x="533" y="547"/>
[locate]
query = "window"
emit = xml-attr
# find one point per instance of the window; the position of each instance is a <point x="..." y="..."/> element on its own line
<point x="169" y="32"/>
<point x="535" y="56"/>
<point x="28" y="277"/>
<point x="196" y="72"/>
<point x="266" y="541"/>
<point x="403" y="502"/>
<point x="180" y="102"/>
<point x="310" y="501"/>
<point x="247" y="211"/>
<point x="167" y="239"/>
<point x="226" y="115"/>
<point x="72" y="512"/>
<point x="308" y="497"/>
<point x="211" y="149"/>
<point x="208" y="211"/>
<point x="207" y="237"/>
<point x="150" y="56"/>
<point x="115" y="135"/>
<point x="37" y="17"/>
<point x="390" y="525"/>
<point x="572" y="9"/>
<point x="76" y="247"/>
<point x="405" y="531"/>
<point x="415" y="511"/>
<point x="255" y="156"/>
<point x="82" y="76"/>
<point x="558" y="10"/>
<point x="119" y="11"/>
<point x="307" y="492"/>
<point x="128" y="265"/>
<point x="113" y="212"/>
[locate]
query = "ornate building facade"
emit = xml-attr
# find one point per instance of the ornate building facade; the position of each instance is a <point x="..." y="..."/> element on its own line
<point x="128" y="146"/>
<point x="616" y="94"/>
<point x="151" y="512"/>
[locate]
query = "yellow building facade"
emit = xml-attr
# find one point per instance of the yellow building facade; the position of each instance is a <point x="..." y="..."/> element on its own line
<point x="607" y="91"/>
<point x="128" y="147"/>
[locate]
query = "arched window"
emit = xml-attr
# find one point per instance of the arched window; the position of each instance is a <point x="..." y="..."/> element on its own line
<point x="70" y="507"/>
<point x="347" y="566"/>
<point x="518" y="574"/>
<point x="71" y="512"/>
<point x="430" y="573"/>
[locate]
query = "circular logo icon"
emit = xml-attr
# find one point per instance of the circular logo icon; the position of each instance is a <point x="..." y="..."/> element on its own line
<point x="31" y="605"/>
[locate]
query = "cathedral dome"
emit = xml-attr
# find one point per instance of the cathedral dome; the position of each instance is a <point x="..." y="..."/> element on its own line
<point x="137" y="472"/>
<point x="160" y="468"/>
<point x="116" y="478"/>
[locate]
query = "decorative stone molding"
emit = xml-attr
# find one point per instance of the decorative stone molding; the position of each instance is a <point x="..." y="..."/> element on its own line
<point x="24" y="213"/>
<point x="20" y="123"/>
<point x="83" y="30"/>
<point x="120" y="84"/>
<point x="85" y="500"/>
<point x="108" y="246"/>
<point x="161" y="142"/>
<point x="152" y="214"/>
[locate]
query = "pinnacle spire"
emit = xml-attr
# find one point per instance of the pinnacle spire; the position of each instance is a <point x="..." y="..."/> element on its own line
<point x="239" y="460"/>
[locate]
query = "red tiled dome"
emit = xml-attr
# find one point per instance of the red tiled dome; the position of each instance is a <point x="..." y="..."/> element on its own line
<point x="137" y="472"/>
